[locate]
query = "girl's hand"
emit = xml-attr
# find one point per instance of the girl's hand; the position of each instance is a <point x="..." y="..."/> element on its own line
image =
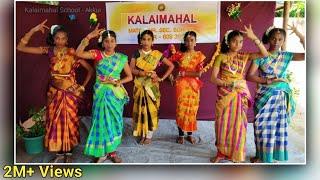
<point x="249" y="32"/>
<point x="293" y="28"/>
<point x="73" y="88"/>
<point x="157" y="79"/>
<point x="275" y="79"/>
<point x="41" y="27"/>
<point x="105" y="80"/>
<point x="96" y="32"/>
<point x="154" y="75"/>
<point x="117" y="83"/>
<point x="279" y="80"/>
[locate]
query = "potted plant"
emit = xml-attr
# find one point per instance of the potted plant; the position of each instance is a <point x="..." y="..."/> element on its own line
<point x="32" y="131"/>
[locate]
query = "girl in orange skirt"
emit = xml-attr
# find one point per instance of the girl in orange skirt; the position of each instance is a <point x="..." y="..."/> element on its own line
<point x="188" y="86"/>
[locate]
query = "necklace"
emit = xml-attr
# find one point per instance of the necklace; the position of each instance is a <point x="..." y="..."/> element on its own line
<point x="189" y="56"/>
<point x="106" y="55"/>
<point x="60" y="53"/>
<point x="233" y="63"/>
<point x="146" y="52"/>
<point x="60" y="56"/>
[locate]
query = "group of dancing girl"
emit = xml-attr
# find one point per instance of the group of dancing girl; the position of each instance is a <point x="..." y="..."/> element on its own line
<point x="273" y="103"/>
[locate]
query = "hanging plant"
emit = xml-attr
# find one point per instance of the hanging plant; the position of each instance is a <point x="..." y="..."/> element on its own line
<point x="234" y="11"/>
<point x="93" y="20"/>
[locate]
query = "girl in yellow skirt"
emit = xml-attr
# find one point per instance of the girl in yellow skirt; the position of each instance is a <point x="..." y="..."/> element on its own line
<point x="146" y="92"/>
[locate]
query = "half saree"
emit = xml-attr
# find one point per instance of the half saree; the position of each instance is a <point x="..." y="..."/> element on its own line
<point x="62" y="125"/>
<point x="108" y="101"/>
<point x="188" y="90"/>
<point x="274" y="107"/>
<point x="231" y="108"/>
<point x="146" y="95"/>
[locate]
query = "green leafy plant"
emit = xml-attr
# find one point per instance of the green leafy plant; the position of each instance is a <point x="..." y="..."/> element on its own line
<point x="297" y="9"/>
<point x="37" y="129"/>
<point x="234" y="11"/>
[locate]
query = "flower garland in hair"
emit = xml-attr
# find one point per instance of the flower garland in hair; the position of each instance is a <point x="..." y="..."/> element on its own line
<point x="226" y="36"/>
<point x="209" y="65"/>
<point x="269" y="29"/>
<point x="53" y="27"/>
<point x="234" y="11"/>
<point x="93" y="20"/>
<point x="100" y="37"/>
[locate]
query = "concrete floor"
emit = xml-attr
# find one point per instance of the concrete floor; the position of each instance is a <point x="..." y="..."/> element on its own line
<point x="164" y="149"/>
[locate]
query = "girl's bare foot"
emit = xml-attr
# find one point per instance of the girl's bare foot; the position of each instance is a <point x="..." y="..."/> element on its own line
<point x="68" y="158"/>
<point x="191" y="139"/>
<point x="59" y="157"/>
<point x="147" y="141"/>
<point x="114" y="158"/>
<point x="180" y="140"/>
<point x="254" y="160"/>
<point x="142" y="140"/>
<point x="101" y="159"/>
<point x="217" y="159"/>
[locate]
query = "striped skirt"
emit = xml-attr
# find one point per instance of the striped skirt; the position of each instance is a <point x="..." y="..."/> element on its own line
<point x="145" y="108"/>
<point x="231" y="123"/>
<point x="107" y="122"/>
<point x="271" y="129"/>
<point x="62" y="125"/>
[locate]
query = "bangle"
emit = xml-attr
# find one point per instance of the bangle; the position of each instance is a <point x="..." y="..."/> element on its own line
<point x="23" y="41"/>
<point x="224" y="84"/>
<point x="118" y="82"/>
<point x="161" y="79"/>
<point x="149" y="74"/>
<point x="182" y="73"/>
<point x="82" y="87"/>
<point x="256" y="40"/>
<point x="85" y="41"/>
<point x="267" y="81"/>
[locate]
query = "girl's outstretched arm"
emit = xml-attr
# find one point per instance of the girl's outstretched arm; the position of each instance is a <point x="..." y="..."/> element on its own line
<point x="22" y="45"/>
<point x="85" y="42"/>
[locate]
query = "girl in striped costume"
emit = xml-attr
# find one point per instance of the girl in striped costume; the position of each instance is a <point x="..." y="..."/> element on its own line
<point x="233" y="96"/>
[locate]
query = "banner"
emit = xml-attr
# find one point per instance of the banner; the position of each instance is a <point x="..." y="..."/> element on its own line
<point x="168" y="20"/>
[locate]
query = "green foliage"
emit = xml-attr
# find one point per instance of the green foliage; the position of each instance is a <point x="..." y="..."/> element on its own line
<point x="38" y="129"/>
<point x="297" y="10"/>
